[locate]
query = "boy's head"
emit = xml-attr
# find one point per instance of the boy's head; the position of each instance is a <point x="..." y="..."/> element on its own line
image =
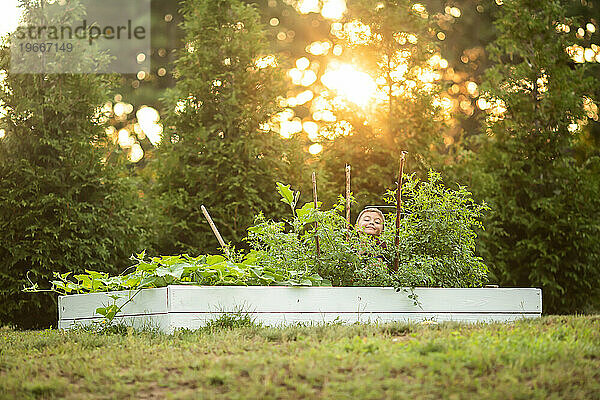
<point x="370" y="221"/>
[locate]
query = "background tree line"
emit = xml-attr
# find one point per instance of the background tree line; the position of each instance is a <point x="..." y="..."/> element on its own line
<point x="69" y="199"/>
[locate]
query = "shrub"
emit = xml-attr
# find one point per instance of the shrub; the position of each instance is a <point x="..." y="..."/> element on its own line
<point x="214" y="152"/>
<point x="61" y="208"/>
<point x="544" y="226"/>
<point x="436" y="248"/>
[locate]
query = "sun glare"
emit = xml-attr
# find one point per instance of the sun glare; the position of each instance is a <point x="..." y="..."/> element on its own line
<point x="357" y="33"/>
<point x="315" y="149"/>
<point x="312" y="130"/>
<point x="318" y="48"/>
<point x="124" y="139"/>
<point x="350" y="83"/>
<point x="332" y="9"/>
<point x="148" y="119"/>
<point x="266" y="61"/>
<point x="136" y="153"/>
<point x="288" y="128"/>
<point x="286" y="123"/>
<point x="496" y="109"/>
<point x="308" y="6"/>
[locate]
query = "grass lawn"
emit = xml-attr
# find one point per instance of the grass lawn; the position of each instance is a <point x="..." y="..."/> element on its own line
<point x="555" y="357"/>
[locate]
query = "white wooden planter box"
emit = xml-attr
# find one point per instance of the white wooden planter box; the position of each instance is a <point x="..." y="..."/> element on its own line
<point x="186" y="306"/>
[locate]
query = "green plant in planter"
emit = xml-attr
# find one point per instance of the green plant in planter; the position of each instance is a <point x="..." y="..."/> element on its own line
<point x="437" y="235"/>
<point x="437" y="249"/>
<point x="437" y="240"/>
<point x="291" y="244"/>
<point x="209" y="270"/>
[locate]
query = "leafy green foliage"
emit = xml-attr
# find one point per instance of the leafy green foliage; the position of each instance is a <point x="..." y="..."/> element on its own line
<point x="437" y="235"/>
<point x="544" y="223"/>
<point x="61" y="208"/>
<point x="214" y="152"/>
<point x="209" y="270"/>
<point x="291" y="244"/>
<point x="437" y="241"/>
<point x="404" y="116"/>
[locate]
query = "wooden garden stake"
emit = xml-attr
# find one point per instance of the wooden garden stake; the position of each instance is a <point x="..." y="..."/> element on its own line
<point x="348" y="198"/>
<point x="314" y="182"/>
<point x="214" y="229"/>
<point x="399" y="206"/>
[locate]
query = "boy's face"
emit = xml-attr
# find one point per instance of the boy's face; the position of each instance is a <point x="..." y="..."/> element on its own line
<point x="370" y="223"/>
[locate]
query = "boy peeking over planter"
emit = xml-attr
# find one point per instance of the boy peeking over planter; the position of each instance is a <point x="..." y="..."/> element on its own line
<point x="370" y="221"/>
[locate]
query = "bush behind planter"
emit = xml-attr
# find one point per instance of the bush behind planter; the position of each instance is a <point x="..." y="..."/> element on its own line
<point x="214" y="152"/>
<point x="61" y="208"/>
<point x="47" y="232"/>
<point x="544" y="191"/>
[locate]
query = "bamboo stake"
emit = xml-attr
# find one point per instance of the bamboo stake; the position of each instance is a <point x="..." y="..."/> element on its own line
<point x="348" y="198"/>
<point x="399" y="206"/>
<point x="314" y="182"/>
<point x="215" y="230"/>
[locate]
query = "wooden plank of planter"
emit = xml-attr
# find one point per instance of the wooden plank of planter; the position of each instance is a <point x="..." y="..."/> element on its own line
<point x="184" y="306"/>
<point x="350" y="299"/>
<point x="152" y="321"/>
<point x="78" y="305"/>
<point x="149" y="308"/>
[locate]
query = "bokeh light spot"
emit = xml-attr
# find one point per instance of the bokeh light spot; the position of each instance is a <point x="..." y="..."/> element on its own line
<point x="315" y="149"/>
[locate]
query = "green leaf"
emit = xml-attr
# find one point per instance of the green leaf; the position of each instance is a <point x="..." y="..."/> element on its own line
<point x="288" y="196"/>
<point x="148" y="281"/>
<point x="258" y="229"/>
<point x="147" y="267"/>
<point x="211" y="260"/>
<point x="306" y="213"/>
<point x="286" y="193"/>
<point x="174" y="271"/>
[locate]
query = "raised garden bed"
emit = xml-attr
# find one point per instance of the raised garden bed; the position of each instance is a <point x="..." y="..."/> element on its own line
<point x="186" y="306"/>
